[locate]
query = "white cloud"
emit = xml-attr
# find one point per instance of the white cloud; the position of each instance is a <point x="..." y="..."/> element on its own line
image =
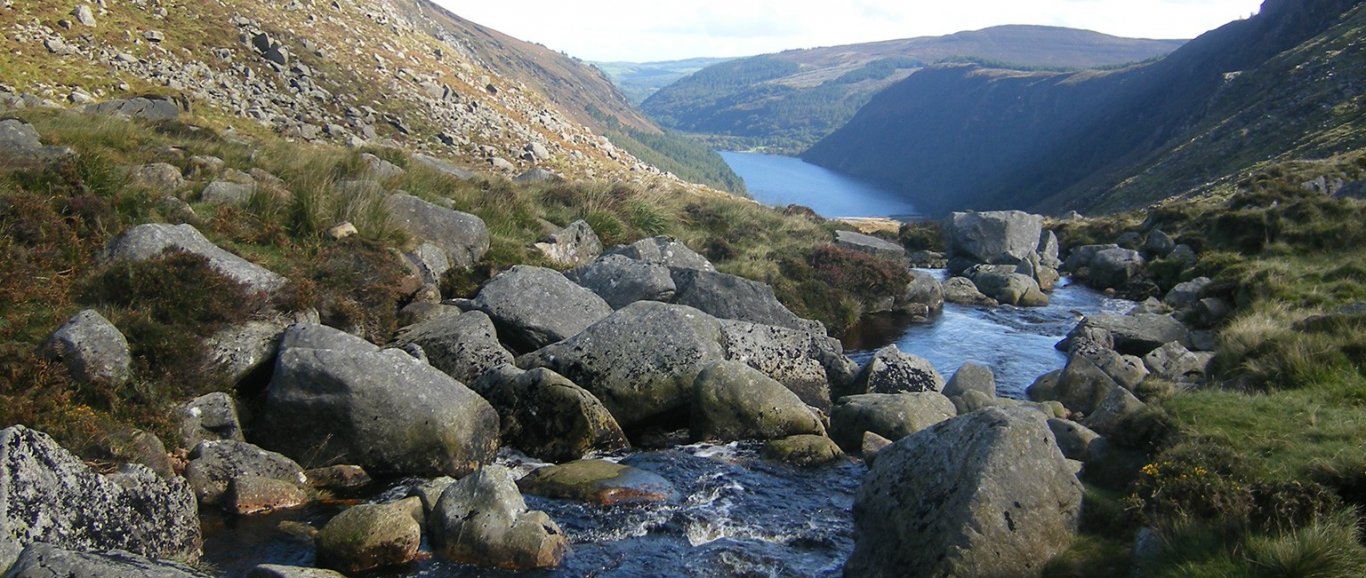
<point x="645" y="31"/>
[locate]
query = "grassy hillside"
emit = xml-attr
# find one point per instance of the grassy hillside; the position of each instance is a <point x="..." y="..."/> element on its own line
<point x="1283" y="84"/>
<point x="787" y="101"/>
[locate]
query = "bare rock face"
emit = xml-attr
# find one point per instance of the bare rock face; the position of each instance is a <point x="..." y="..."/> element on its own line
<point x="483" y="520"/>
<point x="93" y="350"/>
<point x="985" y="494"/>
<point x="48" y="495"/>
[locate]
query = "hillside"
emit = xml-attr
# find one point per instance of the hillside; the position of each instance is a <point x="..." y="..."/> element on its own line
<point x="639" y="80"/>
<point x="381" y="72"/>
<point x="1284" y="84"/>
<point x="789" y="100"/>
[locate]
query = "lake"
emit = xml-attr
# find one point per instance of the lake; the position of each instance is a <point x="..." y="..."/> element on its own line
<point x="779" y="181"/>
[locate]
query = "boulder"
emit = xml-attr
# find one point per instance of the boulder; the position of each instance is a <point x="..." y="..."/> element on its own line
<point x="1173" y="362"/>
<point x="1109" y="414"/>
<point x="791" y="357"/>
<point x="211" y="417"/>
<point x="534" y="306"/>
<point x="145" y="242"/>
<point x="733" y="401"/>
<point x="144" y="107"/>
<point x="428" y="261"/>
<point x="1135" y="334"/>
<point x="1158" y="244"/>
<point x="994" y="237"/>
<point x="1129" y="240"/>
<point x="338" y="478"/>
<point x="872" y="444"/>
<point x="92" y="349"/>
<point x="726" y="296"/>
<point x="641" y="361"/>
<point x="441" y="166"/>
<point x="1048" y="250"/>
<point x="548" y="417"/>
<point x="483" y="520"/>
<point x="163" y="178"/>
<point x="20" y="147"/>
<point x="1186" y="294"/>
<point x="971" y="377"/>
<point x="1184" y="255"/>
<point x="1114" y="267"/>
<point x="48" y="495"/>
<point x="464" y="345"/>
<point x="1007" y="287"/>
<point x="985" y="494"/>
<point x="573" y="245"/>
<point x="463" y="236"/>
<point x="246" y="351"/>
<point x="871" y="245"/>
<point x="248" y="495"/>
<point x="891" y="371"/>
<point x="334" y="398"/>
<point x="281" y="571"/>
<point x="1081" y="387"/>
<point x="621" y="281"/>
<point x="40" y="560"/>
<point x="227" y="193"/>
<point x="598" y="482"/>
<point x="892" y="416"/>
<point x="536" y="175"/>
<point x="803" y="451"/>
<point x="923" y="297"/>
<point x="1127" y="371"/>
<point x="370" y="536"/>
<point x="84" y="15"/>
<point x="379" y="168"/>
<point x="419" y="312"/>
<point x="665" y="251"/>
<point x="1076" y="441"/>
<point x="963" y="291"/>
<point x="1081" y="257"/>
<point x="214" y="464"/>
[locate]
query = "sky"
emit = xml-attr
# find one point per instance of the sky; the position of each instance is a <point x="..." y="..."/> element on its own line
<point x="647" y="31"/>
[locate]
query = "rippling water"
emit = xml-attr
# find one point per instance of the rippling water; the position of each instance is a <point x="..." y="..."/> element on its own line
<point x="1015" y="342"/>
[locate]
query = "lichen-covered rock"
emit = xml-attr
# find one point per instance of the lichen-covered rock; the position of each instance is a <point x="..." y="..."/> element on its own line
<point x="1113" y="267"/>
<point x="986" y="494"/>
<point x="963" y="291"/>
<point x="805" y="450"/>
<point x="483" y="520"/>
<point x="92" y="349"/>
<point x="48" y="495"/>
<point x="1133" y="334"/>
<point x="599" y="482"/>
<point x="464" y="345"/>
<point x="463" y="236"/>
<point x="994" y="237"/>
<point x="534" y="306"/>
<point x="145" y="242"/>
<point x="621" y="280"/>
<point x="369" y="536"/>
<point x="1175" y="363"/>
<point x="791" y="357"/>
<point x="890" y="415"/>
<point x="733" y="401"/>
<point x="971" y="377"/>
<point x="892" y="371"/>
<point x="727" y="296"/>
<point x="1076" y="441"/>
<point x="665" y="251"/>
<point x="214" y="464"/>
<point x="335" y="398"/>
<point x="40" y="560"/>
<point x="640" y="361"/>
<point x="573" y="245"/>
<point x="547" y="416"/>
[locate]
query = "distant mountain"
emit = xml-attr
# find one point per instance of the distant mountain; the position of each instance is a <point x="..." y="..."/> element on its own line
<point x="789" y="100"/>
<point x="639" y="80"/>
<point x="1286" y="83"/>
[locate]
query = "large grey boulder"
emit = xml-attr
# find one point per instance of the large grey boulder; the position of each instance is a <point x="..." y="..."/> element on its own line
<point x="20" y="147"/>
<point x="370" y="536"/>
<point x="428" y="261"/>
<point x="1186" y="294"/>
<point x="573" y="245"/>
<point x="1076" y="441"/>
<point x="985" y="494"/>
<point x="1081" y="386"/>
<point x="464" y="345"/>
<point x="1173" y="362"/>
<point x="145" y="107"/>
<point x="40" y="560"/>
<point x="335" y="398"/>
<point x="148" y="241"/>
<point x="92" y="349"/>
<point x="889" y="415"/>
<point x="726" y="296"/>
<point x="640" y="361"/>
<point x="1114" y="267"/>
<point x="892" y="371"/>
<point x="923" y="297"/>
<point x="1107" y="418"/>
<point x="463" y="236"/>
<point x="621" y="280"/>
<point x="215" y="464"/>
<point x="1134" y="334"/>
<point x="48" y="495"/>
<point x="1081" y="257"/>
<point x="227" y="193"/>
<point x="971" y="377"/>
<point x="733" y="401"/>
<point x="246" y="350"/>
<point x="963" y="291"/>
<point x="547" y="416"/>
<point x="534" y="306"/>
<point x="483" y="520"/>
<point x="993" y="237"/>
<point x="441" y="166"/>
<point x="791" y="357"/>
<point x="158" y="178"/>
<point x="665" y="251"/>
<point x="1002" y="283"/>
<point x="869" y="244"/>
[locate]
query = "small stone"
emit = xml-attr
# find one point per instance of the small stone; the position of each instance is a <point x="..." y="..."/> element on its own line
<point x="342" y="231"/>
<point x="84" y="15"/>
<point x="154" y="36"/>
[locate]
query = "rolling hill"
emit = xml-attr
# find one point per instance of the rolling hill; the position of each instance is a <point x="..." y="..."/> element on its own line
<point x="639" y="80"/>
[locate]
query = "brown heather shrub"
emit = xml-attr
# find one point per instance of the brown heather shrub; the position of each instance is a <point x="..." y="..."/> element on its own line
<point x="354" y="284"/>
<point x="863" y="275"/>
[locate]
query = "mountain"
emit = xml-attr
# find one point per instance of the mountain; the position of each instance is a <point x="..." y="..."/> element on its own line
<point x="639" y="80"/>
<point x="1284" y="84"/>
<point x="379" y="72"/>
<point x="789" y="100"/>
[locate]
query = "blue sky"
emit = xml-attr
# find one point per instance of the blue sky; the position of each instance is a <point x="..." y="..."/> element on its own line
<point x="663" y="30"/>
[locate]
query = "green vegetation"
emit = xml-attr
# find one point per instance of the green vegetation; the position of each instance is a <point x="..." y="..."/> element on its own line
<point x="1260" y="473"/>
<point x="689" y="159"/>
<point x="56" y="221"/>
